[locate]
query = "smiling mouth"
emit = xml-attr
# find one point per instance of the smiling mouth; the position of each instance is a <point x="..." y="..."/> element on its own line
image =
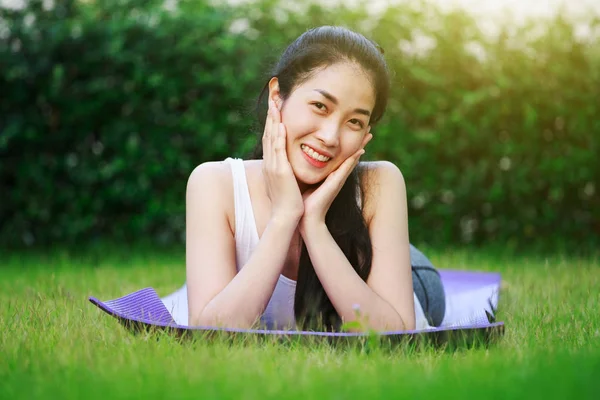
<point x="313" y="154"/>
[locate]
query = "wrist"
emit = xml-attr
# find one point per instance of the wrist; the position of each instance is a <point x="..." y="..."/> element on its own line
<point x="307" y="225"/>
<point x="284" y="221"/>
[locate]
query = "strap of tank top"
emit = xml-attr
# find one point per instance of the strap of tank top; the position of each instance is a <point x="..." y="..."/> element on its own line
<point x="244" y="216"/>
<point x="358" y="197"/>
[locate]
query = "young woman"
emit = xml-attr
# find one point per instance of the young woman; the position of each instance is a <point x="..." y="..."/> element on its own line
<point x="305" y="235"/>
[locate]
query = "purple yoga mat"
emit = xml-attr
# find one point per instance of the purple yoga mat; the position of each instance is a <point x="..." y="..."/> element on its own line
<point x="477" y="291"/>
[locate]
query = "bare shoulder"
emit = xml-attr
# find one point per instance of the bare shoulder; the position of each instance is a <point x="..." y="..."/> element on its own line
<point x="211" y="183"/>
<point x="209" y="172"/>
<point x="381" y="170"/>
<point x="380" y="180"/>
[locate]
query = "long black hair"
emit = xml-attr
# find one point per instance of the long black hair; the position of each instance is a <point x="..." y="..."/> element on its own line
<point x="319" y="48"/>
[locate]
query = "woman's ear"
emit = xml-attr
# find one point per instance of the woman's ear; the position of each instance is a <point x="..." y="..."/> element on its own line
<point x="274" y="93"/>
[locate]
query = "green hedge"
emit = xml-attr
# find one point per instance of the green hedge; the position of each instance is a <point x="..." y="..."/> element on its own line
<point x="106" y="107"/>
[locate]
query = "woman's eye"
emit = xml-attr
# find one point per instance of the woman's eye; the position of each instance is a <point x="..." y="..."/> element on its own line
<point x="357" y="122"/>
<point x="320" y="106"/>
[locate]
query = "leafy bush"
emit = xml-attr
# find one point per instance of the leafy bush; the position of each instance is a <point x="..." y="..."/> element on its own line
<point x="106" y="107"/>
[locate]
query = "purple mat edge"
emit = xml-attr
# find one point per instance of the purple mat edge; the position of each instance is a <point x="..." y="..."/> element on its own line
<point x="107" y="309"/>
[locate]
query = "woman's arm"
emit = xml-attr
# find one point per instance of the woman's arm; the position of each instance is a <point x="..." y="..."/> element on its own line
<point x="386" y="300"/>
<point x="217" y="295"/>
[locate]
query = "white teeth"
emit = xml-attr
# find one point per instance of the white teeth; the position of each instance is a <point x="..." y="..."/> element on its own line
<point x="314" y="154"/>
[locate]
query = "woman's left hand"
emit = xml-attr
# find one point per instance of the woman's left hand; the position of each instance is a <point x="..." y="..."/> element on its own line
<point x="318" y="200"/>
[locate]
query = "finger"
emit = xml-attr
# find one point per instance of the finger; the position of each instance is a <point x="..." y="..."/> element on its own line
<point x="266" y="139"/>
<point x="280" y="150"/>
<point x="352" y="162"/>
<point x="276" y="112"/>
<point x="271" y="136"/>
<point x="268" y="121"/>
<point x="275" y="135"/>
<point x="279" y="137"/>
<point x="356" y="160"/>
<point x="367" y="139"/>
<point x="339" y="176"/>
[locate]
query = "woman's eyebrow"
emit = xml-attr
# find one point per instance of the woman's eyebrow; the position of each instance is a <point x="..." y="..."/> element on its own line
<point x="334" y="100"/>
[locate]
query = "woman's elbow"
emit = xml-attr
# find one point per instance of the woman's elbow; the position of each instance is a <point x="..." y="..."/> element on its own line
<point x="207" y="318"/>
<point x="410" y="325"/>
<point x="399" y="323"/>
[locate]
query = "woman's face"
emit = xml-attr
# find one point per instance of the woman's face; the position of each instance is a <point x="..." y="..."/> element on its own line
<point x="328" y="114"/>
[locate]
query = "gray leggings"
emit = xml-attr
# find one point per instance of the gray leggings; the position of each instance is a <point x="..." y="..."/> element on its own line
<point x="428" y="287"/>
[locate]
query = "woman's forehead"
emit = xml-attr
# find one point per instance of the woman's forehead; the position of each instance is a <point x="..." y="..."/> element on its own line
<point x="347" y="83"/>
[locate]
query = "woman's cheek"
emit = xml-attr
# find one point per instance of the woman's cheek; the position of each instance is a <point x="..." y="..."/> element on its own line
<point x="299" y="123"/>
<point x="351" y="142"/>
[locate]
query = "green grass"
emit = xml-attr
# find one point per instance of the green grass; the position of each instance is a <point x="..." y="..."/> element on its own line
<point x="54" y="343"/>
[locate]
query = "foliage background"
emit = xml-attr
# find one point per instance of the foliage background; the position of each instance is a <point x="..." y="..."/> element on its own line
<point x="106" y="107"/>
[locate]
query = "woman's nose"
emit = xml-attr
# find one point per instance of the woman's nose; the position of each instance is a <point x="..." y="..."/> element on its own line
<point x="329" y="135"/>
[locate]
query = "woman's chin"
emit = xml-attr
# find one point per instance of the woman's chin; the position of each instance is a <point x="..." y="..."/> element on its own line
<point x="309" y="180"/>
<point x="306" y="177"/>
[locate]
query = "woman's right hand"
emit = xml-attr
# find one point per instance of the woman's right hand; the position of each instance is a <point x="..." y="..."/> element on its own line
<point x="282" y="188"/>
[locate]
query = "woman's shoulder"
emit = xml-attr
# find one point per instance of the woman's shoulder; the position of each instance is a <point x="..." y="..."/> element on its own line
<point x="375" y="173"/>
<point x="209" y="172"/>
<point x="378" y="167"/>
<point x="380" y="180"/>
<point x="210" y="185"/>
<point x="217" y="175"/>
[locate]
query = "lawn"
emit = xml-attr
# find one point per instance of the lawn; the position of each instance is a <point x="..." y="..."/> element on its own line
<point x="54" y="343"/>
